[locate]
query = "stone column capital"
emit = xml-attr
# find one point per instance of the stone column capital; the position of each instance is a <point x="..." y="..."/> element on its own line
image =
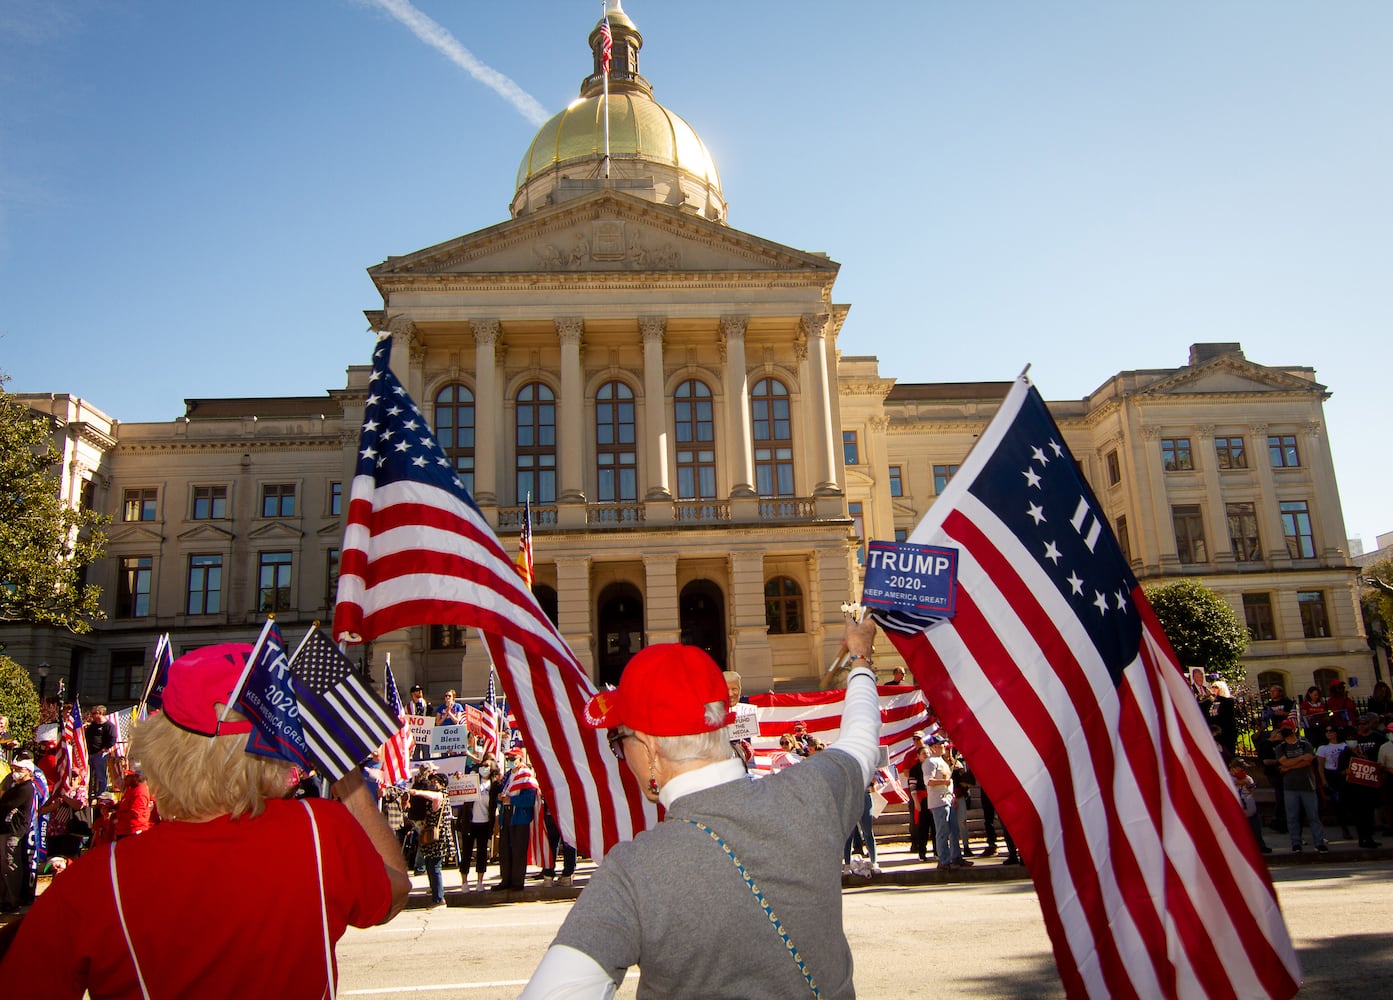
<point x="486" y="331"/>
<point x="652" y="328"/>
<point x="570" y="329"/>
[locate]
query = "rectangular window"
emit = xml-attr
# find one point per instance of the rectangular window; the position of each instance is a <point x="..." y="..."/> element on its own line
<point x="1281" y="449"/>
<point x="1229" y="453"/>
<point x="858" y="528"/>
<point x="335" y="499"/>
<point x="448" y="637"/>
<point x="851" y="452"/>
<point x="1257" y="612"/>
<point x="139" y="505"/>
<point x="896" y="481"/>
<point x="901" y="534"/>
<point x="278" y="500"/>
<point x="1124" y="539"/>
<point x="273" y="581"/>
<point x="1296" y="526"/>
<point x="331" y="577"/>
<point x="942" y="474"/>
<point x="133" y="586"/>
<point x="205" y="585"/>
<point x="1243" y="532"/>
<point x="127" y="675"/>
<point x="1189" y="533"/>
<point x="1114" y="465"/>
<point x="1175" y="455"/>
<point x="1314" y="622"/>
<point x="209" y="503"/>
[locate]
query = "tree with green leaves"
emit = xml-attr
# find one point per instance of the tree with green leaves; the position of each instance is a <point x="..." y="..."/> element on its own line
<point x="19" y="702"/>
<point x="1376" y="601"/>
<point x="44" y="542"/>
<point x="1202" y="628"/>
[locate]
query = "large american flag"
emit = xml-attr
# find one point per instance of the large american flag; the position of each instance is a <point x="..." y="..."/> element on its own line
<point x="903" y="712"/>
<point x="344" y="720"/>
<point x="396" y="752"/>
<point x="1058" y="684"/>
<point x="417" y="551"/>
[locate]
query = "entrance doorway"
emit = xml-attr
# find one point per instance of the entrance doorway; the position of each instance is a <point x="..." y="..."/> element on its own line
<point x="702" y="610"/>
<point x="621" y="629"/>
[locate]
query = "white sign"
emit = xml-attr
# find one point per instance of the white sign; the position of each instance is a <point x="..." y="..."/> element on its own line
<point x="746" y="724"/>
<point x="449" y="740"/>
<point x="462" y="787"/>
<point x="420" y="726"/>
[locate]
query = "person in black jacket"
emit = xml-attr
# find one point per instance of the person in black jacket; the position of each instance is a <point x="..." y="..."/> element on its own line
<point x="16" y="818"/>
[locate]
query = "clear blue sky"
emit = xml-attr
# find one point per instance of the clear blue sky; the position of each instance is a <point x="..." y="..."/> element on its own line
<point x="190" y="192"/>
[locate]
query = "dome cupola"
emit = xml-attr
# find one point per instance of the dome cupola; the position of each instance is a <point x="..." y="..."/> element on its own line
<point x="653" y="153"/>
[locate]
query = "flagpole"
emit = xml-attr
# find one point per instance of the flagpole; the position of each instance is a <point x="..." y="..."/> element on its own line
<point x="604" y="69"/>
<point x="246" y="670"/>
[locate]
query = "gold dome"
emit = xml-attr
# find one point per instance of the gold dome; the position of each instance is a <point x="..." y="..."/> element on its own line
<point x="653" y="153"/>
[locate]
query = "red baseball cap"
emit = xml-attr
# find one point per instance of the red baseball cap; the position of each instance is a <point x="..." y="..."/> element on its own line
<point x="663" y="691"/>
<point x="201" y="680"/>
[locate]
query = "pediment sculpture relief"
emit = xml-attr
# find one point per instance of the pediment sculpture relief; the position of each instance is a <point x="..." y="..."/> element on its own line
<point x="608" y="245"/>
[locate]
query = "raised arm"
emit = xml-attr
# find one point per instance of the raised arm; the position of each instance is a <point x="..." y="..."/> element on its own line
<point x="351" y="791"/>
<point x="860" y="730"/>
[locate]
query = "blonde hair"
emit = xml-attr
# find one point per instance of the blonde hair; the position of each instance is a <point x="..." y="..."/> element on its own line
<point x="202" y="777"/>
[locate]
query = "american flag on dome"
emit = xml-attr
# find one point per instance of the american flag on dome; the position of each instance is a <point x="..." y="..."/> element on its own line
<point x="396" y="752"/>
<point x="417" y="551"/>
<point x="606" y="45"/>
<point x="1056" y="681"/>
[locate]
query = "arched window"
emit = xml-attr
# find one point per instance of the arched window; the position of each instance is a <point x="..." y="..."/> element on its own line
<point x="616" y="457"/>
<point x="783" y="605"/>
<point x="536" y="444"/>
<point x="696" y="442"/>
<point x="454" y="429"/>
<point x="773" y="438"/>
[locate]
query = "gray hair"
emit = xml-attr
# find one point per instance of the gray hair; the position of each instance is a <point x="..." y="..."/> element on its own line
<point x="713" y="745"/>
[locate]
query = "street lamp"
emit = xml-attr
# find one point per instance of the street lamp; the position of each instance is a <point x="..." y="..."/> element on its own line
<point x="43" y="680"/>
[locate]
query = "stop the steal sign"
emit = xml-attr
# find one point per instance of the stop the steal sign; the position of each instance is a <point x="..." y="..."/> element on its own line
<point x="909" y="577"/>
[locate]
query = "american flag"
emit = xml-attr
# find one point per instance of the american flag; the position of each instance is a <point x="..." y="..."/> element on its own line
<point x="72" y="754"/>
<point x="417" y="551"/>
<point x="606" y="45"/>
<point x="343" y="719"/>
<point x="1056" y="681"/>
<point x="490" y="721"/>
<point x="396" y="752"/>
<point x="903" y="712"/>
<point x="524" y="559"/>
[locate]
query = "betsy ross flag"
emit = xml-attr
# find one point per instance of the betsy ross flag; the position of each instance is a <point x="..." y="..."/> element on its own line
<point x="416" y="551"/>
<point x="396" y="752"/>
<point x="343" y="719"/>
<point x="1056" y="681"/>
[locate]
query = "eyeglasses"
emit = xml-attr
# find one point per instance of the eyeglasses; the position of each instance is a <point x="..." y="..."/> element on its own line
<point x="616" y="742"/>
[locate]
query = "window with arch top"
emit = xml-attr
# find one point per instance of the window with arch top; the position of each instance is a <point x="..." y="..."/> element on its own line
<point x="772" y="430"/>
<point x="454" y="429"/>
<point x="536" y="444"/>
<point x="696" y="441"/>
<point x="616" y="451"/>
<point x="783" y="605"/>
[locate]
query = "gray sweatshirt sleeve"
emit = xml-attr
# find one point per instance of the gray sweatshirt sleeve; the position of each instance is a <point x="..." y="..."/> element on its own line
<point x="860" y="732"/>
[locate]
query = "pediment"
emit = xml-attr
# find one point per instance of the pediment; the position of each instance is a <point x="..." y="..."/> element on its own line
<point x="1229" y="375"/>
<point x="122" y="534"/>
<point x="207" y="533"/>
<point x="273" y="530"/>
<point x="332" y="528"/>
<point x="604" y="233"/>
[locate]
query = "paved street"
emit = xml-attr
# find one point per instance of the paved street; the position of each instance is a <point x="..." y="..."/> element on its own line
<point x="979" y="939"/>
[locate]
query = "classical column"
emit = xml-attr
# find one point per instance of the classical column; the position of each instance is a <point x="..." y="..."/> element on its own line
<point x="1327" y="518"/>
<point x="1158" y="519"/>
<point x="655" y="408"/>
<point x="486" y="410"/>
<point x="661" y="597"/>
<point x="405" y="362"/>
<point x="819" y="407"/>
<point x="737" y="392"/>
<point x="571" y="413"/>
<point x="1207" y="461"/>
<point x="1273" y="536"/>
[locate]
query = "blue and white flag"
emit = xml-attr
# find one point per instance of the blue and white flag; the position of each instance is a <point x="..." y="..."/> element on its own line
<point x="265" y="696"/>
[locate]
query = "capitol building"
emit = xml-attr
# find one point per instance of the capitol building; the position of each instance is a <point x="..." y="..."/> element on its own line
<point x="704" y="464"/>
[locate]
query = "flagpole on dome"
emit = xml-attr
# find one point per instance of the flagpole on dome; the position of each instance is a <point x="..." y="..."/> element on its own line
<point x="606" y="48"/>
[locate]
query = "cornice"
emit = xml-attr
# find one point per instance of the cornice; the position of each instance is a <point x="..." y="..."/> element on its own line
<point x="530" y="282"/>
<point x="336" y="443"/>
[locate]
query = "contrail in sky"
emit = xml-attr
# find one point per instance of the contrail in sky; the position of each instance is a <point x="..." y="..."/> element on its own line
<point x="448" y="45"/>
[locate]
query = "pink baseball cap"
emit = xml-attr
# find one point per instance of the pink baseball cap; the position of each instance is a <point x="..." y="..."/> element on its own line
<point x="199" y="682"/>
<point x="663" y="691"/>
